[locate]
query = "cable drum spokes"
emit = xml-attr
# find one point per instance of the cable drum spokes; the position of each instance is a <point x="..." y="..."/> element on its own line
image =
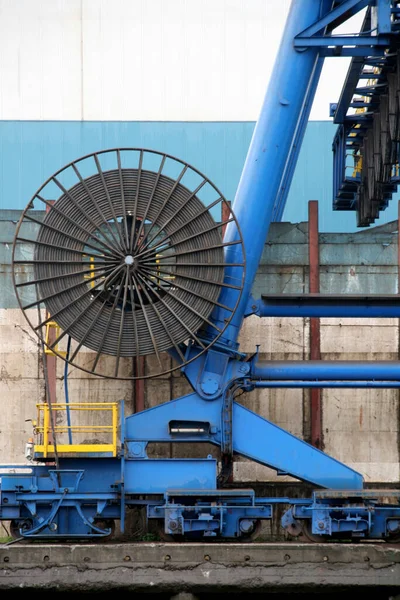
<point x="129" y="260"/>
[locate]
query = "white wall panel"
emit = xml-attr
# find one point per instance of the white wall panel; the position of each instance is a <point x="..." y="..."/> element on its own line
<point x="40" y="59"/>
<point x="167" y="60"/>
<point x="178" y="59"/>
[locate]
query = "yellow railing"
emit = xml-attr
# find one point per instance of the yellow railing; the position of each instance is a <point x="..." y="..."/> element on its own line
<point x="44" y="430"/>
<point x="50" y="337"/>
<point x="91" y="274"/>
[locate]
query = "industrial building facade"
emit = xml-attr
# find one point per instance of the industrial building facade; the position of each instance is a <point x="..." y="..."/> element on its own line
<point x="66" y="90"/>
<point x="179" y="77"/>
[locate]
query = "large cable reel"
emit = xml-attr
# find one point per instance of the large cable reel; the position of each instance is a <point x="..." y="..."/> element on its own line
<point x="122" y="253"/>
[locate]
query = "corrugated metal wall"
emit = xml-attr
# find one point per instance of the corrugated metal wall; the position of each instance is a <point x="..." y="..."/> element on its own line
<point x="178" y="76"/>
<point x="31" y="151"/>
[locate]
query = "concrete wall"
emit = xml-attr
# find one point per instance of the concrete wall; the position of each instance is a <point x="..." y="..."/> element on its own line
<point x="360" y="427"/>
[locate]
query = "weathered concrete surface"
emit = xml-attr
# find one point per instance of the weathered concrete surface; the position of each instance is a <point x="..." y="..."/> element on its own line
<point x="360" y="427"/>
<point x="199" y="568"/>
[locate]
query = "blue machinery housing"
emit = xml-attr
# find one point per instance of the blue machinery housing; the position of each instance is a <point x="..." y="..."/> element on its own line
<point x="82" y="497"/>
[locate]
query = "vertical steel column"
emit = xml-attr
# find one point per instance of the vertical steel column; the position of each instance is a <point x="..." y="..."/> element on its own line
<point x="398" y="291"/>
<point x="287" y="104"/>
<point x="138" y="367"/>
<point x="51" y="365"/>
<point x="398" y="249"/>
<point x="315" y="337"/>
<point x="138" y="370"/>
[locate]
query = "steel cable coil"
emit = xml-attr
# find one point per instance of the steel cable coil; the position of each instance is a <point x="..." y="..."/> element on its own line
<point x="129" y="261"/>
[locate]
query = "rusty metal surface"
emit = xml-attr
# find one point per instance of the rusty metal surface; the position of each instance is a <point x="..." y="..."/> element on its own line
<point x="315" y="329"/>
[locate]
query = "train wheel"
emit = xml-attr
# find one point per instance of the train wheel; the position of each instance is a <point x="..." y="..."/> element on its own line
<point x="16" y="526"/>
<point x="160" y="532"/>
<point x="106" y="524"/>
<point x="392" y="539"/>
<point x="254" y="534"/>
<point x="309" y="537"/>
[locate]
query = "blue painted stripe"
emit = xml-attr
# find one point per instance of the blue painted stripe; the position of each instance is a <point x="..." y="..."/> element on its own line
<point x="32" y="150"/>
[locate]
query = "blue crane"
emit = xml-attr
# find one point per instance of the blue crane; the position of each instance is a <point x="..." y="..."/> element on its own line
<point x="142" y="255"/>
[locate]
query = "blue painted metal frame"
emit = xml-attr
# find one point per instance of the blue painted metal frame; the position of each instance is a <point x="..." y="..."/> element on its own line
<point x="208" y="513"/>
<point x="309" y="37"/>
<point x="252" y="436"/>
<point x="265" y="179"/>
<point x="355" y="513"/>
<point x="326" y="305"/>
<point x="379" y="27"/>
<point x="281" y="120"/>
<point x="285" y="109"/>
<point x="69" y="502"/>
<point x="154" y="476"/>
<point x="319" y="370"/>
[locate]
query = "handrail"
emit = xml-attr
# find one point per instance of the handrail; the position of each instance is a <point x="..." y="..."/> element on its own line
<point x="43" y="429"/>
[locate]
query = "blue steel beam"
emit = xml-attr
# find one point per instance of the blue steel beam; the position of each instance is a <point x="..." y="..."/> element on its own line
<point x="328" y="384"/>
<point x="296" y="144"/>
<point x="282" y="112"/>
<point x="340" y="51"/>
<point x="327" y="305"/>
<point x="266" y="443"/>
<point x="253" y="437"/>
<point x="383" y="11"/>
<point x="355" y="68"/>
<point x="342" y="40"/>
<point x="319" y="370"/>
<point x="349" y="7"/>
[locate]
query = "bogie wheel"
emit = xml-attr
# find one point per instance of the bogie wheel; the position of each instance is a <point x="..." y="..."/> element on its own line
<point x="126" y="253"/>
<point x="159" y="530"/>
<point x="106" y="524"/>
<point x="309" y="537"/>
<point x="254" y="534"/>
<point x="394" y="538"/>
<point x="17" y="526"/>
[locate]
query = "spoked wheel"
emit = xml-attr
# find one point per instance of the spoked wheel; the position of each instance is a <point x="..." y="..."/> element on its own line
<point x="128" y="259"/>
